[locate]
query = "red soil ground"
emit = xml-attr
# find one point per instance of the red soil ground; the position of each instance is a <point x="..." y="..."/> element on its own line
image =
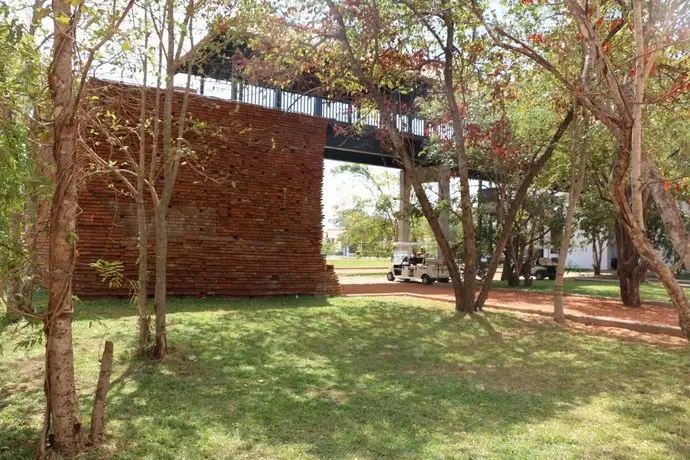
<point x="543" y="302"/>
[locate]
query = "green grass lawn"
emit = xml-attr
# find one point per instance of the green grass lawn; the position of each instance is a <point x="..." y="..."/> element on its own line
<point x="648" y="291"/>
<point x="359" y="263"/>
<point x="364" y="378"/>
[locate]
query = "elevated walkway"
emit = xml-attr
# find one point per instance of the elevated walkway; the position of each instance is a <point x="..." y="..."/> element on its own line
<point x="351" y="135"/>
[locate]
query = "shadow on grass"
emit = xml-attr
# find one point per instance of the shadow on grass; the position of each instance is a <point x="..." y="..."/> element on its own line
<point x="112" y="308"/>
<point x="384" y="380"/>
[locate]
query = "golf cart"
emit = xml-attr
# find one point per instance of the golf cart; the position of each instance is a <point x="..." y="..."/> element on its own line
<point x="410" y="262"/>
<point x="545" y="268"/>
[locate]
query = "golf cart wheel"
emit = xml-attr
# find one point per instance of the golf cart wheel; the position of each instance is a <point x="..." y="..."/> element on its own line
<point x="443" y="280"/>
<point x="390" y="276"/>
<point x="539" y="275"/>
<point x="426" y="279"/>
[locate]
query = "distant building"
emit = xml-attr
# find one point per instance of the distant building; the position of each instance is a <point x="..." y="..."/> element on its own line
<point x="581" y="254"/>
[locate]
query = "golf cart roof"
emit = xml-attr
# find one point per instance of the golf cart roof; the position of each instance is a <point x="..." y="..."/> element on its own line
<point x="402" y="244"/>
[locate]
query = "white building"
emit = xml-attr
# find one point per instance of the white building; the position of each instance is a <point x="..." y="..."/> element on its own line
<point x="581" y="255"/>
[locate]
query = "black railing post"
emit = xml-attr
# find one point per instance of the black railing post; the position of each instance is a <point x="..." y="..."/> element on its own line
<point x="201" y="85"/>
<point x="409" y="124"/>
<point x="278" y="100"/>
<point x="318" y="109"/>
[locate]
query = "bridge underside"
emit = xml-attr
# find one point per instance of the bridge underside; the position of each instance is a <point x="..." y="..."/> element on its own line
<point x="364" y="147"/>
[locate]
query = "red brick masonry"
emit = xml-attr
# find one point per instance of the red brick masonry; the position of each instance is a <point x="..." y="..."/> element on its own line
<point x="257" y="232"/>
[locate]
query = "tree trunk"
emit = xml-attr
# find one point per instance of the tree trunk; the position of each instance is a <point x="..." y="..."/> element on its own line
<point x="639" y="79"/>
<point x="469" y="239"/>
<point x="169" y="159"/>
<point x="640" y="240"/>
<point x="651" y="258"/>
<point x="61" y="395"/>
<point x="442" y="241"/>
<point x="144" y="328"/>
<point x="669" y="211"/>
<point x="597" y="253"/>
<point x="631" y="268"/>
<point x="161" y="273"/>
<point x="98" y="412"/>
<point x="577" y="180"/>
<point x="142" y="230"/>
<point x="519" y="258"/>
<point x="527" y="264"/>
<point x="509" y="263"/>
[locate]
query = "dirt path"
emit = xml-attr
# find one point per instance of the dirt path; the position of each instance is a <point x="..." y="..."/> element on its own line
<point x="530" y="302"/>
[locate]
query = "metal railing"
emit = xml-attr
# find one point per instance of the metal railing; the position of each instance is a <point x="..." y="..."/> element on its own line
<point x="316" y="106"/>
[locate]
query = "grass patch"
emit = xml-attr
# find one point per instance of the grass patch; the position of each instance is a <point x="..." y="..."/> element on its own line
<point x="349" y="378"/>
<point x="359" y="263"/>
<point x="648" y="291"/>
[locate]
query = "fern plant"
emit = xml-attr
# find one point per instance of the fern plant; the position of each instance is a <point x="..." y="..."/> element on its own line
<point x="113" y="273"/>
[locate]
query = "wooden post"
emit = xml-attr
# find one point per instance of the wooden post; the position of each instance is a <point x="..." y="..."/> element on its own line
<point x="98" y="412"/>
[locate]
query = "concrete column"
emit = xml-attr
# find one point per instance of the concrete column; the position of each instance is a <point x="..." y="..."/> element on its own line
<point x="443" y="193"/>
<point x="404" y="221"/>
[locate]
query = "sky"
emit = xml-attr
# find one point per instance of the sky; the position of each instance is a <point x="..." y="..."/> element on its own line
<point x="341" y="188"/>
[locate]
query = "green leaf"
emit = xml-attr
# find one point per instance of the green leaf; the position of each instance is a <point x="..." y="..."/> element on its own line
<point x="63" y="19"/>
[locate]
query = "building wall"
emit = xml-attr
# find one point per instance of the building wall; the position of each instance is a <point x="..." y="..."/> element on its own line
<point x="580" y="254"/>
<point x="249" y="225"/>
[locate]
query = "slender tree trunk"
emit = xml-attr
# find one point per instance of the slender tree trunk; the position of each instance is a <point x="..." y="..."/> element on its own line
<point x="142" y="294"/>
<point x="469" y="240"/>
<point x="597" y="253"/>
<point x="637" y="105"/>
<point x="527" y="265"/>
<point x="677" y="266"/>
<point x="519" y="251"/>
<point x="161" y="217"/>
<point x="577" y="180"/>
<point x="441" y="240"/>
<point x="669" y="212"/>
<point x="144" y="328"/>
<point x="161" y="272"/>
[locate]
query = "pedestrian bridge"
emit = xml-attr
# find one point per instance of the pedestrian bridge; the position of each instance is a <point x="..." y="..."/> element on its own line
<point x="351" y="134"/>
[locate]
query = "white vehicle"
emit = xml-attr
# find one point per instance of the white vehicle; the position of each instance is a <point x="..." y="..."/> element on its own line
<point x="544" y="268"/>
<point x="410" y="262"/>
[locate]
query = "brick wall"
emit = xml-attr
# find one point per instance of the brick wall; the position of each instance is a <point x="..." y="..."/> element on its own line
<point x="250" y="225"/>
